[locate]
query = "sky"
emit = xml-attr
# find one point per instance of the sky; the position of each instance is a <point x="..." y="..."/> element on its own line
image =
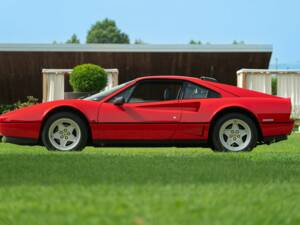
<point x="275" y="22"/>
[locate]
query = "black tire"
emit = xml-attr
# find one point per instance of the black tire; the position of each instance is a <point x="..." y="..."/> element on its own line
<point x="65" y="115"/>
<point x="216" y="140"/>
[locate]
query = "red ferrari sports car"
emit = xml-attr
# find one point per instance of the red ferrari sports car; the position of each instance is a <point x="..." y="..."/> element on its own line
<point x="157" y="109"/>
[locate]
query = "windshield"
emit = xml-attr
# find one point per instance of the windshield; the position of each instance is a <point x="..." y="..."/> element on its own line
<point x="102" y="94"/>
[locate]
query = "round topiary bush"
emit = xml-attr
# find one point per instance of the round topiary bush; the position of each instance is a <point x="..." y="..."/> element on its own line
<point x="88" y="78"/>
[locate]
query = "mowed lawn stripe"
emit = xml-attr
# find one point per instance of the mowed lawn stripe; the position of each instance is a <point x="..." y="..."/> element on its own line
<point x="150" y="185"/>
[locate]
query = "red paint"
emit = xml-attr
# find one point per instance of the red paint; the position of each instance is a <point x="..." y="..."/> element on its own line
<point x="274" y="129"/>
<point x="138" y="120"/>
<point x="21" y="130"/>
<point x="166" y="120"/>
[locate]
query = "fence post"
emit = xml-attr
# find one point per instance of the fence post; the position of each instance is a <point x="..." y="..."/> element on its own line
<point x="54" y="82"/>
<point x="288" y="86"/>
<point x="256" y="80"/>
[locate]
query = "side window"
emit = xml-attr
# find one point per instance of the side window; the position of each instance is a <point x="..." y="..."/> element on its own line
<point x="126" y="94"/>
<point x="154" y="91"/>
<point x="193" y="91"/>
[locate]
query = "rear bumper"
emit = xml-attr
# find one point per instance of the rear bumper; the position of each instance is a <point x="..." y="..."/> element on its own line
<point x="274" y="139"/>
<point x="277" y="129"/>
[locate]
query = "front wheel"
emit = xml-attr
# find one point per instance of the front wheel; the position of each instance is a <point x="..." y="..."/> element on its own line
<point x="65" y="131"/>
<point x="234" y="132"/>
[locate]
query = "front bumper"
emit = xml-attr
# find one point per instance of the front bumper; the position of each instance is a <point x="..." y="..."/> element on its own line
<point x="20" y="130"/>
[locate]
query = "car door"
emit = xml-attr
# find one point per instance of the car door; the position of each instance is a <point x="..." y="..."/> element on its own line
<point x="151" y="111"/>
<point x="194" y="104"/>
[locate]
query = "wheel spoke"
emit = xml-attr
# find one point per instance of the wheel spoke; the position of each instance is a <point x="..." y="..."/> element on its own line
<point x="239" y="141"/>
<point x="63" y="142"/>
<point x="230" y="141"/>
<point x="70" y="129"/>
<point x="235" y="126"/>
<point x="227" y="132"/>
<point x="72" y="138"/>
<point x="57" y="135"/>
<point x="242" y="133"/>
<point x="61" y="127"/>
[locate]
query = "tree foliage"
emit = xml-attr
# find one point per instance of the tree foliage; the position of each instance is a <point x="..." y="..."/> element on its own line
<point x="106" y="31"/>
<point x="73" y="40"/>
<point x="235" y="42"/>
<point x="194" y="42"/>
<point x="139" y="42"/>
<point x="274" y="85"/>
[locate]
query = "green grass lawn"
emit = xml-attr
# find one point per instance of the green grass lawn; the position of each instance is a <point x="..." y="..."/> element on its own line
<point x="150" y="186"/>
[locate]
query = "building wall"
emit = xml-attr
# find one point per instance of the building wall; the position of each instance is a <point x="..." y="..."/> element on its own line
<point x="20" y="72"/>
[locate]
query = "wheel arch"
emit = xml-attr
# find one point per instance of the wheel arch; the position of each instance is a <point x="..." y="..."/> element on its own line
<point x="235" y="109"/>
<point x="66" y="109"/>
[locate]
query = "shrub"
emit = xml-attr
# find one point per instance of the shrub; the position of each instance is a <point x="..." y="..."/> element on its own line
<point x="6" y="108"/>
<point x="18" y="105"/>
<point x="88" y="78"/>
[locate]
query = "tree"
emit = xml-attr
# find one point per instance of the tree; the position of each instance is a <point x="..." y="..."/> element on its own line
<point x="56" y="42"/>
<point x="139" y="42"/>
<point x="193" y="42"/>
<point x="73" y="40"/>
<point x="274" y="85"/>
<point x="235" y="42"/>
<point x="106" y="31"/>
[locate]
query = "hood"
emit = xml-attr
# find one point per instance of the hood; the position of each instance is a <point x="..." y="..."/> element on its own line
<point x="35" y="113"/>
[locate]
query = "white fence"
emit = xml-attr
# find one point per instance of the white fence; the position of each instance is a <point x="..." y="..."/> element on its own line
<point x="288" y="84"/>
<point x="54" y="82"/>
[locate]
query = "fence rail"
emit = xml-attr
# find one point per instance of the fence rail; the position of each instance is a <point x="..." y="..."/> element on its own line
<point x="54" y="82"/>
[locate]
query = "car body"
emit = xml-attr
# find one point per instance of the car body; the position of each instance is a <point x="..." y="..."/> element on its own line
<point x="161" y="109"/>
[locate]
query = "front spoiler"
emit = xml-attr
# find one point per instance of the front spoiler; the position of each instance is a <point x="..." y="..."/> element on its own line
<point x="19" y="141"/>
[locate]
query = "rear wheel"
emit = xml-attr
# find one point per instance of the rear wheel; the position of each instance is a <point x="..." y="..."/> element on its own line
<point x="234" y="132"/>
<point x="65" y="131"/>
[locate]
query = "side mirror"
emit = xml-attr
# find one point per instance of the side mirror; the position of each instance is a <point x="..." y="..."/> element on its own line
<point x="119" y="100"/>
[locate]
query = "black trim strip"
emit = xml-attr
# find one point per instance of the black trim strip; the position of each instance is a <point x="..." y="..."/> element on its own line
<point x="151" y="123"/>
<point x="151" y="143"/>
<point x="274" y="139"/>
<point x="20" y="141"/>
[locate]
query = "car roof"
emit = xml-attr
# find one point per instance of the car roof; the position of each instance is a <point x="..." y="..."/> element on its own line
<point x="175" y="77"/>
<point x="218" y="87"/>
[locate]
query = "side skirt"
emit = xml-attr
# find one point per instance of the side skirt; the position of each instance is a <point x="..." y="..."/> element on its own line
<point x="151" y="143"/>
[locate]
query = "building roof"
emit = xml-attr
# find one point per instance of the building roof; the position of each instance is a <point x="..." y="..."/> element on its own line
<point x="134" y="48"/>
<point x="267" y="71"/>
